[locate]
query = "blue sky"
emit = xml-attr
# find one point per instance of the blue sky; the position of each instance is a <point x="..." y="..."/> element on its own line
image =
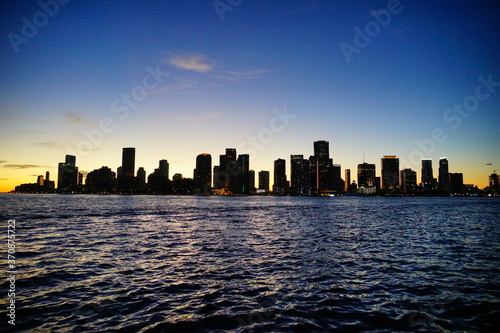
<point x="227" y="79"/>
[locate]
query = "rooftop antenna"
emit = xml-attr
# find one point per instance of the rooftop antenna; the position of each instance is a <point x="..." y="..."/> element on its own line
<point x="363" y="156"/>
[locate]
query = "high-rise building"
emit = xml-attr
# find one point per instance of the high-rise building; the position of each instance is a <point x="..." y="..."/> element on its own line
<point x="390" y="172"/>
<point x="347" y="175"/>
<point x="203" y="173"/>
<point x="128" y="162"/>
<point x="240" y="178"/>
<point x="126" y="179"/>
<point x="264" y="181"/>
<point x="427" y="175"/>
<point x="164" y="167"/>
<point x="457" y="183"/>
<point x="493" y="181"/>
<point x="251" y="180"/>
<point x="444" y="175"/>
<point x="67" y="175"/>
<point x="322" y="172"/>
<point x="299" y="175"/>
<point x="279" y="176"/>
<point x="100" y="181"/>
<point x="141" y="180"/>
<point x="231" y="154"/>
<point x="366" y="175"/>
<point x="321" y="149"/>
<point x="408" y="180"/>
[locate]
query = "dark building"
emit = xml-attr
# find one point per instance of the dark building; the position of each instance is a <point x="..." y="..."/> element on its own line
<point x="67" y="175"/>
<point x="427" y="175"/>
<point x="128" y="162"/>
<point x="227" y="170"/>
<point x="299" y="175"/>
<point x="457" y="183"/>
<point x="240" y="176"/>
<point x="366" y="175"/>
<point x="279" y="186"/>
<point x="408" y="181"/>
<point x="101" y="180"/>
<point x="323" y="175"/>
<point x="183" y="186"/>
<point x="390" y="172"/>
<point x="337" y="181"/>
<point x="126" y="176"/>
<point x="141" y="180"/>
<point x="164" y="167"/>
<point x="251" y="181"/>
<point x="203" y="174"/>
<point x="493" y="182"/>
<point x="347" y="175"/>
<point x="41" y="186"/>
<point x="264" y="181"/>
<point x="158" y="182"/>
<point x="321" y="149"/>
<point x="444" y="175"/>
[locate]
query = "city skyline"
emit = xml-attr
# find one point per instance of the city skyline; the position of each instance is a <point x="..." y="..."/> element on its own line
<point x="315" y="175"/>
<point x="411" y="79"/>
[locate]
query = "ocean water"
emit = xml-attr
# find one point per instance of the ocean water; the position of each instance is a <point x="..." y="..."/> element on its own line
<point x="252" y="264"/>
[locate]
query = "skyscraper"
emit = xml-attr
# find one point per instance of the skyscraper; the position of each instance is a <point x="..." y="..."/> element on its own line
<point x="457" y="183"/>
<point x="251" y="181"/>
<point x="128" y="162"/>
<point x="297" y="170"/>
<point x="366" y="175"/>
<point x="444" y="176"/>
<point x="322" y="170"/>
<point x="427" y="176"/>
<point x="347" y="176"/>
<point x="408" y="180"/>
<point x="164" y="167"/>
<point x="240" y="178"/>
<point x="390" y="172"/>
<point x="203" y="173"/>
<point x="264" y="181"/>
<point x="279" y="176"/>
<point x="67" y="175"/>
<point x="126" y="179"/>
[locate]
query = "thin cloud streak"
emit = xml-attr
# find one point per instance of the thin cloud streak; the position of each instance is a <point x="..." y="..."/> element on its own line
<point x="192" y="63"/>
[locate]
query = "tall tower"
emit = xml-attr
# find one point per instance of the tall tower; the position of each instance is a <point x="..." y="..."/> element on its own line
<point x="347" y="179"/>
<point x="444" y="175"/>
<point x="264" y="180"/>
<point x="67" y="175"/>
<point x="128" y="162"/>
<point x="366" y="175"/>
<point x="164" y="167"/>
<point x="321" y="149"/>
<point x="203" y="173"/>
<point x="296" y="174"/>
<point x="390" y="172"/>
<point x="427" y="176"/>
<point x="279" y="176"/>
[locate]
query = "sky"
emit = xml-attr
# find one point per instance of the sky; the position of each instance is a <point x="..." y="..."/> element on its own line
<point x="416" y="79"/>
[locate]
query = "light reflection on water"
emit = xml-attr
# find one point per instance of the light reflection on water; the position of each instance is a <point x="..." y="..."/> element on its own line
<point x="165" y="263"/>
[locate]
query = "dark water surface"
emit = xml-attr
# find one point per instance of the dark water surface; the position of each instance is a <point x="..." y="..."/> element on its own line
<point x="253" y="264"/>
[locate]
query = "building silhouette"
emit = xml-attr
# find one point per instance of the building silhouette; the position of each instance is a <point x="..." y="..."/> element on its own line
<point x="158" y="182"/>
<point x="444" y="175"/>
<point x="67" y="179"/>
<point x="279" y="186"/>
<point x="347" y="176"/>
<point x="408" y="181"/>
<point x="126" y="175"/>
<point x="101" y="180"/>
<point x="457" y="183"/>
<point x="251" y="181"/>
<point x="203" y="174"/>
<point x="300" y="179"/>
<point x="264" y="181"/>
<point x="366" y="175"/>
<point x="141" y="180"/>
<point x="390" y="172"/>
<point x="427" y="175"/>
<point x="240" y="176"/>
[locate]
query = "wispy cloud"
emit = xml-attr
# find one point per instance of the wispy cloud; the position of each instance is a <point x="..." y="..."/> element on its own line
<point x="2" y="162"/>
<point x="49" y="144"/>
<point x="208" y="115"/>
<point x="78" y="119"/>
<point x="234" y="76"/>
<point x="23" y="166"/>
<point x="4" y="179"/>
<point x="195" y="63"/>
